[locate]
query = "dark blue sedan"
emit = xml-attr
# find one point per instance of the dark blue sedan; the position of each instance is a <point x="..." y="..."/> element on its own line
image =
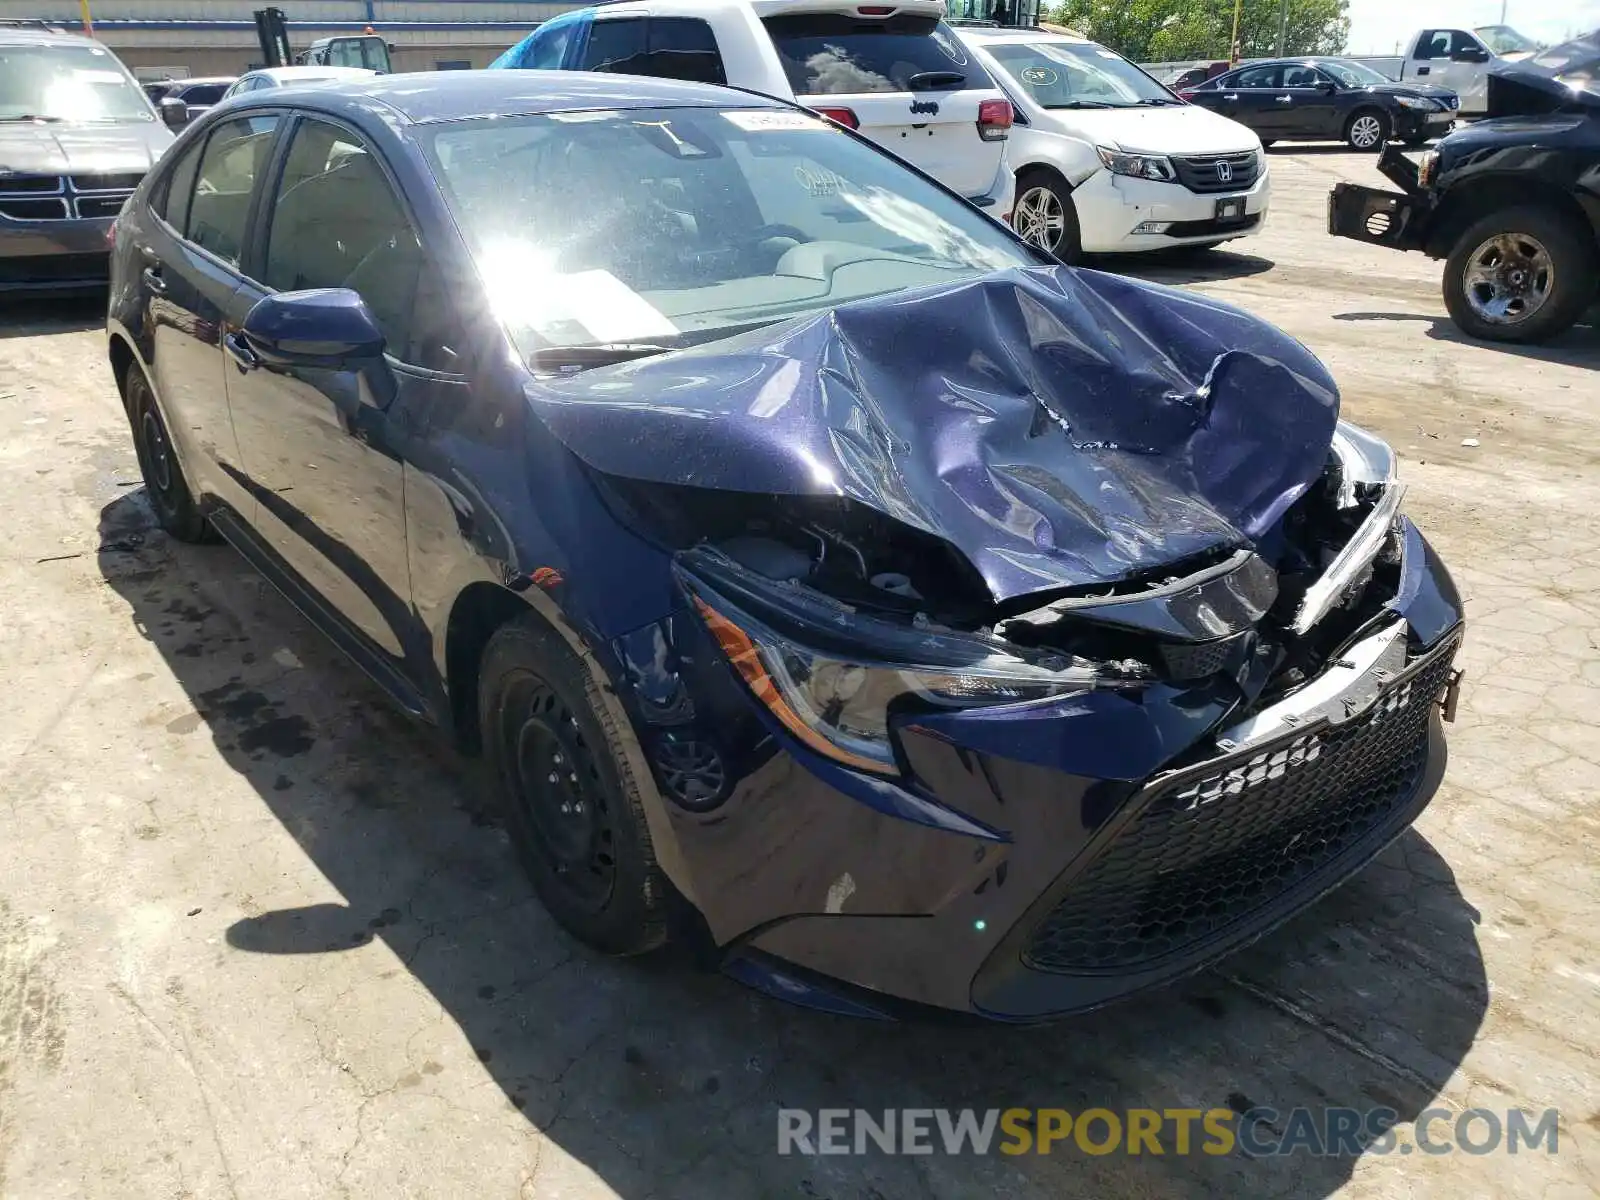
<point x="912" y="619"/>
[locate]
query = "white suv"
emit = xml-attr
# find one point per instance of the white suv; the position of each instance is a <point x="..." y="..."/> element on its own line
<point x="1106" y="159"/>
<point x="894" y="72"/>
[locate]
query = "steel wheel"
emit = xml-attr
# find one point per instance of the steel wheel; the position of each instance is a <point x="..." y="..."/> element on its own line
<point x="1508" y="278"/>
<point x="1040" y="219"/>
<point x="551" y="773"/>
<point x="1366" y="131"/>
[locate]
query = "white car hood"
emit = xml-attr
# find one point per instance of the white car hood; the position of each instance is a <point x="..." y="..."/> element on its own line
<point x="1178" y="129"/>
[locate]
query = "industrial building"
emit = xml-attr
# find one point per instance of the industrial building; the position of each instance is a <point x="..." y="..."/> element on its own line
<point x="181" y="38"/>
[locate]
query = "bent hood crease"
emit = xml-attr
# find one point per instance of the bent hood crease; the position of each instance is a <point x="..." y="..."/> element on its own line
<point x="1059" y="427"/>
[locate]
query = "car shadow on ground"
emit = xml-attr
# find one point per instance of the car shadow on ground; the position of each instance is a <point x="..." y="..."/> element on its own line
<point x="1182" y="265"/>
<point x="1577" y="347"/>
<point x="665" y="1080"/>
<point x="33" y="317"/>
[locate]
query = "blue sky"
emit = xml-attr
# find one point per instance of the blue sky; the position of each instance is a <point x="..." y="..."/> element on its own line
<point x="1376" y="25"/>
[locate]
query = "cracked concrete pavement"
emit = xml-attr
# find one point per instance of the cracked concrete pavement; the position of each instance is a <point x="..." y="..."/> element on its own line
<point x="259" y="938"/>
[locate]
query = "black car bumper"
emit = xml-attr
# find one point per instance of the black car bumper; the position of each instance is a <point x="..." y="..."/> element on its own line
<point x="1401" y="220"/>
<point x="54" y="257"/>
<point x="1096" y="887"/>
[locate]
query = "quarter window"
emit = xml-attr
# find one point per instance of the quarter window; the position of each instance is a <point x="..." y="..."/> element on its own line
<point x="618" y="46"/>
<point x="337" y="223"/>
<point x="233" y="159"/>
<point x="173" y="203"/>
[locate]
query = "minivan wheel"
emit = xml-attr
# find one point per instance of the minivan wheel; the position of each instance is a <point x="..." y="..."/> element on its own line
<point x="1520" y="275"/>
<point x="1368" y="130"/>
<point x="1044" y="216"/>
<point x="164" y="483"/>
<point x="571" y="805"/>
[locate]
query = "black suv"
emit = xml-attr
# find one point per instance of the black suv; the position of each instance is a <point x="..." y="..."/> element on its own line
<point x="1513" y="203"/>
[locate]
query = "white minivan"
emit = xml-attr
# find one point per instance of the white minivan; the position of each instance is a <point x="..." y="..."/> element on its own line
<point x="1108" y="160"/>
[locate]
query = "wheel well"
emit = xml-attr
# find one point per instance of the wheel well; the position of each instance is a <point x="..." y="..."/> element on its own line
<point x="479" y="610"/>
<point x="1466" y="205"/>
<point x="1375" y="109"/>
<point x="121" y="355"/>
<point x="1054" y="175"/>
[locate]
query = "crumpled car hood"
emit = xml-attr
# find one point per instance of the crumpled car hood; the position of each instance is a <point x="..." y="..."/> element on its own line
<point x="1059" y="427"/>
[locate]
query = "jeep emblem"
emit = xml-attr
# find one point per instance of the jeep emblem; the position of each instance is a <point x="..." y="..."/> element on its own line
<point x="925" y="106"/>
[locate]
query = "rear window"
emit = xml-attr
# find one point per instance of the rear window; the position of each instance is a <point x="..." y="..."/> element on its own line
<point x="832" y="54"/>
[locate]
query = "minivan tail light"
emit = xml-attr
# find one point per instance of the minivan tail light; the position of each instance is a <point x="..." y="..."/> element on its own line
<point x="843" y="116"/>
<point x="994" y="120"/>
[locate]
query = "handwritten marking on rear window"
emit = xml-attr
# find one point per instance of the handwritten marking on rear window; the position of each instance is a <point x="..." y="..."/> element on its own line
<point x="770" y="122"/>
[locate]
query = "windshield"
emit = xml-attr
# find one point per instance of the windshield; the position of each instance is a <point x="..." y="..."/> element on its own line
<point x="68" y="83"/>
<point x="1077" y="75"/>
<point x="1503" y="39"/>
<point x="669" y="226"/>
<point x="1353" y="74"/>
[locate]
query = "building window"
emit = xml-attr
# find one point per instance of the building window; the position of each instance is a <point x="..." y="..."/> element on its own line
<point x="452" y="64"/>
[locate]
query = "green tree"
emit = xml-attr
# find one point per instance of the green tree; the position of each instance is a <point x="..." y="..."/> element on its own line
<point x="1167" y="30"/>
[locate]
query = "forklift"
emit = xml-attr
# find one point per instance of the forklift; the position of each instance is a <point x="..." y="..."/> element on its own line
<point x="365" y="49"/>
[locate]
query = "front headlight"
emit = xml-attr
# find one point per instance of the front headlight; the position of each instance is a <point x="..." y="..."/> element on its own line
<point x="1138" y="166"/>
<point x="833" y="677"/>
<point x="1416" y="102"/>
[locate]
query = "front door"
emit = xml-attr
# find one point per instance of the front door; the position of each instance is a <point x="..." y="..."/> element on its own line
<point x="1311" y="110"/>
<point x="321" y="447"/>
<point x="1251" y="98"/>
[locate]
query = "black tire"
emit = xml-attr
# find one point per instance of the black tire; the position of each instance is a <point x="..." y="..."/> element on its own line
<point x="592" y="862"/>
<point x="164" y="482"/>
<point x="1068" y="245"/>
<point x="1568" y="284"/>
<point x="1358" y="129"/>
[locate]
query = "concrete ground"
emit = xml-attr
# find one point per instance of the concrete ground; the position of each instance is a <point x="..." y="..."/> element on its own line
<point x="259" y="939"/>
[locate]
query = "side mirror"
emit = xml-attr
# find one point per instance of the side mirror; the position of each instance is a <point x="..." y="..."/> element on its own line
<point x="174" y="112"/>
<point x="1471" y="54"/>
<point x="1328" y="87"/>
<point x="329" y="329"/>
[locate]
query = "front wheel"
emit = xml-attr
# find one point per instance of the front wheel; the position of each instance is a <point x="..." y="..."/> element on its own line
<point x="1367" y="130"/>
<point x="1045" y="217"/>
<point x="1521" y="275"/>
<point x="572" y="807"/>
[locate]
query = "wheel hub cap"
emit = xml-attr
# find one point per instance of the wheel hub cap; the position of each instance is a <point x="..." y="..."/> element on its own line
<point x="1039" y="218"/>
<point x="155" y="439"/>
<point x="1508" y="278"/>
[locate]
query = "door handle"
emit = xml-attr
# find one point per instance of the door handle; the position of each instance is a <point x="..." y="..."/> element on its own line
<point x="1231" y="96"/>
<point x="1423" y="70"/>
<point x="246" y="358"/>
<point x="1285" y="99"/>
<point x="153" y="281"/>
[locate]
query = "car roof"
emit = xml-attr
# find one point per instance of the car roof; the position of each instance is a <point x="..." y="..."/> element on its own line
<point x="425" y="97"/>
<point x="192" y="81"/>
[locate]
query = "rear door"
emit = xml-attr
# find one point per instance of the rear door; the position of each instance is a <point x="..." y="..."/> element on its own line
<point x="189" y="278"/>
<point x="910" y="84"/>
<point x="1251" y="96"/>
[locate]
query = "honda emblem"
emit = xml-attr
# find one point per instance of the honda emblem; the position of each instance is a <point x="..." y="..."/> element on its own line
<point x="1225" y="172"/>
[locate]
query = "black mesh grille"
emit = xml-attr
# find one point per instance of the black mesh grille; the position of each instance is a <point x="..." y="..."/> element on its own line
<point x="42" y="208"/>
<point x="1204" y="173"/>
<point x="1214" y="844"/>
<point x="29" y="183"/>
<point x="100" y="206"/>
<point x="54" y="268"/>
<point x="1205" y="228"/>
<point x="124" y="181"/>
<point x="1200" y="659"/>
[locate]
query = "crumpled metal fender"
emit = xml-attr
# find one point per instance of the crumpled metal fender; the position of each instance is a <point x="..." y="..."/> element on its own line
<point x="1059" y="427"/>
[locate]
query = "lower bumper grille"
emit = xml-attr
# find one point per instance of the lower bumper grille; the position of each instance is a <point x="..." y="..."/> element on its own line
<point x="44" y="270"/>
<point x="1219" y="842"/>
<point x="1184" y="229"/>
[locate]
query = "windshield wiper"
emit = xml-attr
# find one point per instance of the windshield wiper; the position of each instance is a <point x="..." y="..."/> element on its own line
<point x="31" y="117"/>
<point x="931" y="80"/>
<point x="1088" y="104"/>
<point x="1159" y="100"/>
<point x="597" y="354"/>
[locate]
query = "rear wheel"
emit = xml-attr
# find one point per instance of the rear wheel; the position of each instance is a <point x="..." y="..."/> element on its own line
<point x="164" y="482"/>
<point x="1367" y="130"/>
<point x="1521" y="275"/>
<point x="1044" y="216"/>
<point x="571" y="804"/>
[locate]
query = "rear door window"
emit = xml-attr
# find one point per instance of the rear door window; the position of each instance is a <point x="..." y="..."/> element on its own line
<point x="620" y="45"/>
<point x="834" y="54"/>
<point x="205" y="93"/>
<point x="234" y="159"/>
<point x="684" y="48"/>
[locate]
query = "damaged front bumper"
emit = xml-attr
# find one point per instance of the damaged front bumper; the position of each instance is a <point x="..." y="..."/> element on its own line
<point x="1037" y="859"/>
<point x="1400" y="220"/>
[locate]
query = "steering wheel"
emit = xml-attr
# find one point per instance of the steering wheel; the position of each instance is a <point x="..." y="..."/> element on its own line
<point x="780" y="231"/>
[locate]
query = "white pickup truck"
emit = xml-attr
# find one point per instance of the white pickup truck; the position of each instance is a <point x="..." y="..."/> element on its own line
<point x="1457" y="59"/>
